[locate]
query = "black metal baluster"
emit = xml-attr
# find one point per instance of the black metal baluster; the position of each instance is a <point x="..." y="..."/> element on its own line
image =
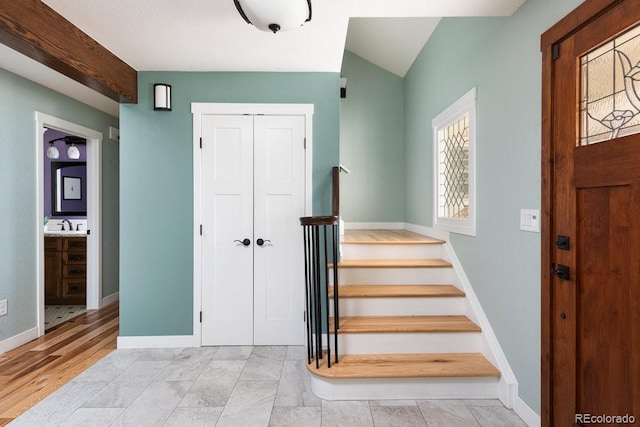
<point x="326" y="293"/>
<point x="307" y="294"/>
<point x="336" y="308"/>
<point x="318" y="300"/>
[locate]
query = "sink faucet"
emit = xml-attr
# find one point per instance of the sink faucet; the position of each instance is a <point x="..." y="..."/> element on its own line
<point x="69" y="222"/>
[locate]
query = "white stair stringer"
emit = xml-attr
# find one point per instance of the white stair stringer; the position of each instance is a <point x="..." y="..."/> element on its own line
<point x="490" y="347"/>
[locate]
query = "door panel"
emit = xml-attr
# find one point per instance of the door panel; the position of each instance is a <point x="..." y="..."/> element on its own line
<point x="279" y="203"/>
<point x="227" y="265"/>
<point x="603" y="318"/>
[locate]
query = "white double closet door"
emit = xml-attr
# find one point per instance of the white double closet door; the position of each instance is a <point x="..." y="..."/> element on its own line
<point x="253" y="194"/>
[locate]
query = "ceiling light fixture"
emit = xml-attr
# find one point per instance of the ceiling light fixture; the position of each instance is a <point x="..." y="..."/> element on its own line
<point x="274" y="15"/>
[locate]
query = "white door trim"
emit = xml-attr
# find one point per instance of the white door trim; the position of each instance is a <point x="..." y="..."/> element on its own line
<point x="94" y="209"/>
<point x="198" y="109"/>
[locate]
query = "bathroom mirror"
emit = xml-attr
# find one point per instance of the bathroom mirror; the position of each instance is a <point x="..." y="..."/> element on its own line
<point x="69" y="188"/>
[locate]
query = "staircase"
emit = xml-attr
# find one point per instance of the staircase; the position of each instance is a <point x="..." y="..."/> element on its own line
<point x="404" y="332"/>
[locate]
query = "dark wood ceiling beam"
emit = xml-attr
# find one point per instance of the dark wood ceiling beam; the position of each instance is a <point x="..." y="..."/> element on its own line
<point x="39" y="32"/>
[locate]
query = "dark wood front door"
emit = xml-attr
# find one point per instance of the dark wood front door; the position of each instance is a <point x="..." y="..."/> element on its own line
<point x="591" y="222"/>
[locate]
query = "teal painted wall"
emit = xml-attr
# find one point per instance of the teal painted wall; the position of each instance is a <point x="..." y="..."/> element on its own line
<point x="501" y="56"/>
<point x="371" y="143"/>
<point x="156" y="177"/>
<point x="18" y="104"/>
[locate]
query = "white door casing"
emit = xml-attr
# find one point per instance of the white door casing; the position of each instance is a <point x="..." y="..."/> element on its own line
<point x="282" y="193"/>
<point x="94" y="209"/>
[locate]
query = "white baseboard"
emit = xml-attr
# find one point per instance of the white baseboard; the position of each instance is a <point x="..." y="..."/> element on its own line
<point x="428" y="231"/>
<point x="168" y="341"/>
<point x="524" y="411"/>
<point x="18" y="340"/>
<point x="110" y="299"/>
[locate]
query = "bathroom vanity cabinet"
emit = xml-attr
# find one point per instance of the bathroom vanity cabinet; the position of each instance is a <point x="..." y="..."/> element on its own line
<point x="65" y="270"/>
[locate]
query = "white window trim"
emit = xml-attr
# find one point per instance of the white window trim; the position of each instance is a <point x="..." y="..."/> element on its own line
<point x="465" y="105"/>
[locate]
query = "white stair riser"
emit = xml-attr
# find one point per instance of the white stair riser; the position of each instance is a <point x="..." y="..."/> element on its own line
<point x="391" y="251"/>
<point x="401" y="388"/>
<point x="400" y="306"/>
<point x="393" y="276"/>
<point x="384" y="343"/>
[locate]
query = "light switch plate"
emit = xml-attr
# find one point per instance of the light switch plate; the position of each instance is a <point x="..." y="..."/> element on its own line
<point x="3" y="307"/>
<point x="530" y="220"/>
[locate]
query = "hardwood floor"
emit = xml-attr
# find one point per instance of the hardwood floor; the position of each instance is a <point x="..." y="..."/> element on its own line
<point x="34" y="370"/>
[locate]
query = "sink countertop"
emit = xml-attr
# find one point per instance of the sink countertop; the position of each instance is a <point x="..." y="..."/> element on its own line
<point x="60" y="233"/>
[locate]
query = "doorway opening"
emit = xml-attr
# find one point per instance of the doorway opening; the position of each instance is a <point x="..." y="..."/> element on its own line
<point x="68" y="220"/>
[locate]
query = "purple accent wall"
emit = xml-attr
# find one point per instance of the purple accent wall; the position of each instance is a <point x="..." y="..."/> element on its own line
<point x="49" y="135"/>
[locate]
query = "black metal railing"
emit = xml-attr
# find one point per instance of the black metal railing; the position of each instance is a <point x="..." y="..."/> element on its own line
<point x="321" y="234"/>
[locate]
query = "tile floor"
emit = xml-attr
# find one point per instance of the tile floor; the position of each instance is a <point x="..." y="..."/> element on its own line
<point x="233" y="386"/>
<point x="56" y="314"/>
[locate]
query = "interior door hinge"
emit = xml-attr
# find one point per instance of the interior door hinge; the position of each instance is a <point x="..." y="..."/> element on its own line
<point x="200" y="317"/>
<point x="201" y="229"/>
<point x="555" y="51"/>
<point x="200" y="142"/>
<point x="305" y="143"/>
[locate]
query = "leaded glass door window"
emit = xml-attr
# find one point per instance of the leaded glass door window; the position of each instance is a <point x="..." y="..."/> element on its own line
<point x="610" y="89"/>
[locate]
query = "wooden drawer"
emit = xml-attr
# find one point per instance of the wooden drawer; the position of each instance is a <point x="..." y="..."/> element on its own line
<point x="74" y="291"/>
<point x="78" y="272"/>
<point x="53" y="244"/>
<point x="75" y="244"/>
<point x="74" y="258"/>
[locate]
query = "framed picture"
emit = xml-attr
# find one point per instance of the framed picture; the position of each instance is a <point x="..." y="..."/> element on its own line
<point x="72" y="188"/>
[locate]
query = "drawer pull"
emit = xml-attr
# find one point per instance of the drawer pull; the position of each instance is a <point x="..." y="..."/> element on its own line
<point x="75" y="288"/>
<point x="77" y="271"/>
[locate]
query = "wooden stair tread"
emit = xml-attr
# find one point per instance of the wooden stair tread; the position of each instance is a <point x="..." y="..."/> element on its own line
<point x="405" y="324"/>
<point x="397" y="291"/>
<point x="391" y="237"/>
<point x="392" y="263"/>
<point x="406" y="366"/>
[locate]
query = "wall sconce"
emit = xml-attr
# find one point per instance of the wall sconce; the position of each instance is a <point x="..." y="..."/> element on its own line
<point x="343" y="87"/>
<point x="73" y="152"/>
<point x="52" y="151"/>
<point x="162" y="97"/>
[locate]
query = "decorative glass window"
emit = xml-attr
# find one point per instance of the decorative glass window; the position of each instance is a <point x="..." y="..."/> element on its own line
<point x="610" y="90"/>
<point x="454" y="166"/>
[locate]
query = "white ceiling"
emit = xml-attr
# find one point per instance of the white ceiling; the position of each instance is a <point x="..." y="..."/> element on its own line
<point x="210" y="35"/>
